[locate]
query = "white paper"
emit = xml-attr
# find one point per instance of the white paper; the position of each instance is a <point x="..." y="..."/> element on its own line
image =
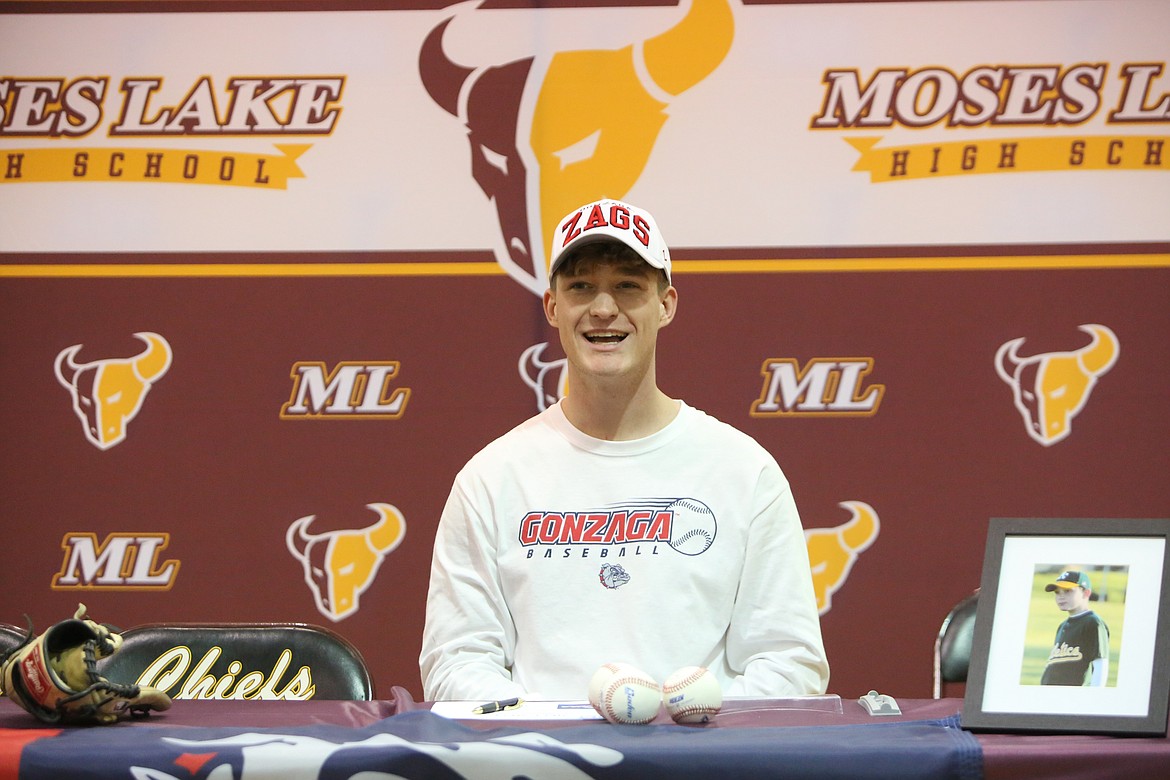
<point x="529" y="710"/>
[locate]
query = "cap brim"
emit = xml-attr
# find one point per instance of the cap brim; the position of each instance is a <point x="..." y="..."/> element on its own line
<point x="1061" y="585"/>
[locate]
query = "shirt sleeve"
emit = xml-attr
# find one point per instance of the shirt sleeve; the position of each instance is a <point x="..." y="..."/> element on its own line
<point x="469" y="636"/>
<point x="1102" y="640"/>
<point x="1099" y="666"/>
<point x="774" y="641"/>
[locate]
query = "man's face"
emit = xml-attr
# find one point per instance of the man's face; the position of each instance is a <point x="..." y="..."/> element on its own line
<point x="1072" y="600"/>
<point x="608" y="315"/>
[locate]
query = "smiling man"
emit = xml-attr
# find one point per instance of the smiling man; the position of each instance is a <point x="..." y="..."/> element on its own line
<point x="619" y="525"/>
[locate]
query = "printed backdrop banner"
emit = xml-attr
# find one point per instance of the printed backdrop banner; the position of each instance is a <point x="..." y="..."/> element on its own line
<point x="270" y="277"/>
<point x="769" y="126"/>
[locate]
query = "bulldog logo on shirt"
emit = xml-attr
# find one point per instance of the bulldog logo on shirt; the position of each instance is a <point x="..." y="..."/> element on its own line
<point x="613" y="576"/>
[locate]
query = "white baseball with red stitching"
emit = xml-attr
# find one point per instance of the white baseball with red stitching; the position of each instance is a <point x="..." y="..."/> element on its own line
<point x="692" y="695"/>
<point x="601" y="677"/>
<point x="630" y="696"/>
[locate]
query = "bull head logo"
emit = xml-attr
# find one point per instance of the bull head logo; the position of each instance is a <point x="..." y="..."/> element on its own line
<point x="1051" y="388"/>
<point x="550" y="132"/>
<point x="107" y="394"/>
<point x="833" y="551"/>
<point x="340" y="565"/>
<point x="548" y="379"/>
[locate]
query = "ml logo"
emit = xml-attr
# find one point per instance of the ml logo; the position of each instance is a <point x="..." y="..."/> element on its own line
<point x="123" y="561"/>
<point x="353" y="390"/>
<point x="824" y="387"/>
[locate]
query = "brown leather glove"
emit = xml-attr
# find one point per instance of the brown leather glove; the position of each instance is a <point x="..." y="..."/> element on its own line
<point x="54" y="676"/>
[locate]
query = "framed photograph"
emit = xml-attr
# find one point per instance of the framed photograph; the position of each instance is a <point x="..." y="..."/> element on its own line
<point x="1072" y="632"/>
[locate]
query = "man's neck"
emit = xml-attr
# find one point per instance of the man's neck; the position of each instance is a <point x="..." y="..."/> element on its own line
<point x="614" y="413"/>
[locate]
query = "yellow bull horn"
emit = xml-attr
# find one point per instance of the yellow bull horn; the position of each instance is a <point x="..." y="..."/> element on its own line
<point x="155" y="360"/>
<point x="861" y="529"/>
<point x="1100" y="354"/>
<point x="687" y="53"/>
<point x="387" y="533"/>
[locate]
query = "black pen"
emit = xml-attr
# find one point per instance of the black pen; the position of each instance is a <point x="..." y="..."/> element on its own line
<point x="496" y="706"/>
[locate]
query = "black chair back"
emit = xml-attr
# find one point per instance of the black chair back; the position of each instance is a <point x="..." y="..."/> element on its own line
<point x="11" y="637"/>
<point x="288" y="661"/>
<point x="952" y="648"/>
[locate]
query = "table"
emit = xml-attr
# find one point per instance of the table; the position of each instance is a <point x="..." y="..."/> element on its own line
<point x="294" y="740"/>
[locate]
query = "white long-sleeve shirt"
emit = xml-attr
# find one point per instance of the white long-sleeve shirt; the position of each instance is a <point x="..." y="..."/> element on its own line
<point x="557" y="553"/>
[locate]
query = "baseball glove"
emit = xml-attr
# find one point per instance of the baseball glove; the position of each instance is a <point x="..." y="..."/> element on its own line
<point x="54" y="676"/>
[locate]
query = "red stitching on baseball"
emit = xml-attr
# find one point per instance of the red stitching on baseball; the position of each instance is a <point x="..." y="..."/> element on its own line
<point x="694" y="677"/>
<point x="694" y="711"/>
<point x="610" y="689"/>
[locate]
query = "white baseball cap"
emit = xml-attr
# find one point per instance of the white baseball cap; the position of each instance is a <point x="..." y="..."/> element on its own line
<point x="611" y="220"/>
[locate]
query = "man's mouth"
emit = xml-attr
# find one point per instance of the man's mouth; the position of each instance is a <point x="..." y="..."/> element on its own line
<point x="605" y="337"/>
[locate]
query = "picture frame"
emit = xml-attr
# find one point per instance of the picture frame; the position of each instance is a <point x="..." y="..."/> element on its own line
<point x="1031" y="672"/>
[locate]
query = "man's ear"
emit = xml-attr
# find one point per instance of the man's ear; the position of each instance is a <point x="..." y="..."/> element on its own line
<point x="668" y="306"/>
<point x="550" y="308"/>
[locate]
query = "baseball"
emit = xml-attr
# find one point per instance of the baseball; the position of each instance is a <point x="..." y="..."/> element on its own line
<point x="629" y="696"/>
<point x="692" y="529"/>
<point x="692" y="695"/>
<point x="602" y="676"/>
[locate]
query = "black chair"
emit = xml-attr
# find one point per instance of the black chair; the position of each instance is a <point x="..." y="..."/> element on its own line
<point x="241" y="661"/>
<point x="952" y="648"/>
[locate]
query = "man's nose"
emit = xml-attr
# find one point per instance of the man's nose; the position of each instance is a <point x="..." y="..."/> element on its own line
<point x="603" y="305"/>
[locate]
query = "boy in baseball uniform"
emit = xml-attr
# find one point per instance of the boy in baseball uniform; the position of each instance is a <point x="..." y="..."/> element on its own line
<point x="1080" y="652"/>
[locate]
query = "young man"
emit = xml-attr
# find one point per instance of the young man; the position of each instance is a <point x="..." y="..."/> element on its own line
<point x="1080" y="653"/>
<point x="620" y="524"/>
